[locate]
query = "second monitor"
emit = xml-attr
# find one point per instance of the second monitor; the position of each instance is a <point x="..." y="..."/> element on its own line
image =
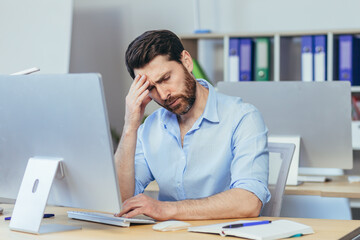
<point x="318" y="112"/>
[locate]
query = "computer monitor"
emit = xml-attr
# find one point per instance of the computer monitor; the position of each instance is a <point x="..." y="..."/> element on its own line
<point x="56" y="117"/>
<point x="318" y="112"/>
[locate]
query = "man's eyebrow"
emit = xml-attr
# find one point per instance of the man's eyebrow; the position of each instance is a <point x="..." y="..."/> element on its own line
<point x="160" y="79"/>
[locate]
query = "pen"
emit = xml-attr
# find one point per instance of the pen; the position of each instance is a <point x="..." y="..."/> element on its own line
<point x="27" y="71"/>
<point x="46" y="215"/>
<point x="246" y="224"/>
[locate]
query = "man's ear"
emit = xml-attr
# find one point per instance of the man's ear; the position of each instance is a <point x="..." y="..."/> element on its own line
<point x="186" y="60"/>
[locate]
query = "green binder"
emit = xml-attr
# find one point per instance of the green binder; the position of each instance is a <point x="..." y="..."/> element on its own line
<point x="262" y="59"/>
<point x="198" y="72"/>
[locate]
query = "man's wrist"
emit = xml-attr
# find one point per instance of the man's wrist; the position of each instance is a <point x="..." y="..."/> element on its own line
<point x="172" y="210"/>
<point x="129" y="129"/>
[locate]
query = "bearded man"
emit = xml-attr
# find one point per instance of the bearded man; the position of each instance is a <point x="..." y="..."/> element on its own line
<point x="207" y="151"/>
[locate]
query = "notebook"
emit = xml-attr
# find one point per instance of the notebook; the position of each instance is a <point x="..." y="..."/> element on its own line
<point x="274" y="230"/>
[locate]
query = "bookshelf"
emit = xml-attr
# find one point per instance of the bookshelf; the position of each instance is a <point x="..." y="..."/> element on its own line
<point x="355" y="89"/>
<point x="285" y="53"/>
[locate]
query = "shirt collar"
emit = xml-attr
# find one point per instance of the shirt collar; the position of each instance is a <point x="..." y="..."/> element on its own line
<point x="210" y="112"/>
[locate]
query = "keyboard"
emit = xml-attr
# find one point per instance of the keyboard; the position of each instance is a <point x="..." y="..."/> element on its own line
<point x="109" y="218"/>
<point x="313" y="179"/>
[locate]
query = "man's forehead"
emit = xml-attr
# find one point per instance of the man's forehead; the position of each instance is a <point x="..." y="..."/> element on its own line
<point x="153" y="74"/>
<point x="157" y="68"/>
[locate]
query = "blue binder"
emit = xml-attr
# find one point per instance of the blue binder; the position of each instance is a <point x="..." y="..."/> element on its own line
<point x="246" y="59"/>
<point x="234" y="60"/>
<point x="307" y="59"/>
<point x="349" y="59"/>
<point x="320" y="58"/>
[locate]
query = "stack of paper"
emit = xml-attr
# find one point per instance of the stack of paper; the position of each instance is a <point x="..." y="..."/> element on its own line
<point x="275" y="230"/>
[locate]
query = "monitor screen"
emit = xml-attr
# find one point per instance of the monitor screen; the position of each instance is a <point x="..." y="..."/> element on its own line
<point x="318" y="112"/>
<point x="59" y="116"/>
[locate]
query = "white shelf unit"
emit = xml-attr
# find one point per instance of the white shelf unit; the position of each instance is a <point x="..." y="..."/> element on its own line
<point x="285" y="52"/>
<point x="355" y="89"/>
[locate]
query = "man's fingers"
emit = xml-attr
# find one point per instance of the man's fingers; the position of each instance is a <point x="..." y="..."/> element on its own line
<point x="146" y="100"/>
<point x="137" y="83"/>
<point x="129" y="205"/>
<point x="133" y="84"/>
<point x="134" y="212"/>
<point x="144" y="86"/>
<point x="140" y="82"/>
<point x="142" y="89"/>
<point x="138" y="89"/>
<point x="142" y="97"/>
<point x="125" y="210"/>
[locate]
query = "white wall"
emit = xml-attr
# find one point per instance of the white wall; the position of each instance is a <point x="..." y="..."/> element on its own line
<point x="102" y="30"/>
<point x="35" y="34"/>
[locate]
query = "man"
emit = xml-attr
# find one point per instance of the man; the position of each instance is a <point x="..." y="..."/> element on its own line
<point x="207" y="151"/>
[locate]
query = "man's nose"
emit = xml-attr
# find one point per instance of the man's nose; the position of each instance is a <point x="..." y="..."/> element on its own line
<point x="163" y="93"/>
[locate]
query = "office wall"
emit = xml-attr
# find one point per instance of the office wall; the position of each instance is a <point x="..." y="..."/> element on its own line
<point x="103" y="29"/>
<point x="35" y="34"/>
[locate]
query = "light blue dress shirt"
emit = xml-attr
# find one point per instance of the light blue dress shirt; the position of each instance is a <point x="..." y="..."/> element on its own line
<point x="226" y="148"/>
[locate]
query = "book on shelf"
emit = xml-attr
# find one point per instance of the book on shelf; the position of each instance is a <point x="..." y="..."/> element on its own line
<point x="349" y="59"/>
<point x="234" y="60"/>
<point x="262" y="59"/>
<point x="307" y="59"/>
<point x="314" y="58"/>
<point x="355" y="107"/>
<point x="320" y="58"/>
<point x="240" y="59"/>
<point x="246" y="59"/>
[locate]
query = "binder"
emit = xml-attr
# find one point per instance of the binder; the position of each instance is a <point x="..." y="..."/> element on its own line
<point x="234" y="60"/>
<point x="307" y="63"/>
<point x="262" y="59"/>
<point x="198" y="71"/>
<point x="246" y="59"/>
<point x="320" y="58"/>
<point x="349" y="59"/>
<point x="355" y="108"/>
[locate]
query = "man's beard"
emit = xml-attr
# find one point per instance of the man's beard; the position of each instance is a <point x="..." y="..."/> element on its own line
<point x="187" y="99"/>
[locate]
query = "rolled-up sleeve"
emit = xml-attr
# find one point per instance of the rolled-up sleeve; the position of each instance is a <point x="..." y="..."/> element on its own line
<point x="250" y="164"/>
<point x="143" y="174"/>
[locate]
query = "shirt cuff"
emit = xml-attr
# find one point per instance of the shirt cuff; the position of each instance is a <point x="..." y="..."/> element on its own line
<point x="139" y="188"/>
<point x="256" y="187"/>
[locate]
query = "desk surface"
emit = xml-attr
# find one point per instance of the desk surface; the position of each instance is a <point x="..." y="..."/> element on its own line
<point x="338" y="187"/>
<point x="324" y="229"/>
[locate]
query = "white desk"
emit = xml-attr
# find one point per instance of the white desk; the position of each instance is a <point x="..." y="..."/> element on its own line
<point x="324" y="229"/>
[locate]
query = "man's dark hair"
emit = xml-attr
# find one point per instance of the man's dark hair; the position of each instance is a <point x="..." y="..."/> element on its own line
<point x="151" y="44"/>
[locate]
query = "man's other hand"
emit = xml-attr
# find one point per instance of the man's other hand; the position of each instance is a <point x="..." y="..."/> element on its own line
<point x="142" y="204"/>
<point x="136" y="101"/>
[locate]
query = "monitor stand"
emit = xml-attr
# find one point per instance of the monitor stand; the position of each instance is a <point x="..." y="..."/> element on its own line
<point x="33" y="195"/>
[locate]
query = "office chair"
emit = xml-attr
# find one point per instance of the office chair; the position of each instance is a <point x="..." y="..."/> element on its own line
<point x="280" y="156"/>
